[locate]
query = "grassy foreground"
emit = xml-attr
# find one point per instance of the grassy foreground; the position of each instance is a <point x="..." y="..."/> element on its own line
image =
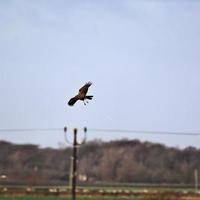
<point x="64" y="198"/>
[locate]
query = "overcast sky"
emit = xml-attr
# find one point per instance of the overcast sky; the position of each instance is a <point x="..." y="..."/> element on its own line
<point x="142" y="57"/>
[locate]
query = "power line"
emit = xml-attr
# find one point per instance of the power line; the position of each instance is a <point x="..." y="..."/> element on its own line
<point x="31" y="129"/>
<point x="145" y="132"/>
<point x="104" y="130"/>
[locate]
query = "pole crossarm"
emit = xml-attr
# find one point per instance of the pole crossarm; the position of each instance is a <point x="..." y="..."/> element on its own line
<point x="78" y="143"/>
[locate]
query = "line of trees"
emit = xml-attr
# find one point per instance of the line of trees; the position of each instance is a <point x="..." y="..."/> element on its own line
<point x="116" y="161"/>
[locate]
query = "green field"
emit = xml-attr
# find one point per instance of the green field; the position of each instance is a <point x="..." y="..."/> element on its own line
<point x="97" y="193"/>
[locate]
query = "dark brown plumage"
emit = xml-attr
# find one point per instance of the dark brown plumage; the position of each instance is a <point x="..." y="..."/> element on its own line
<point x="82" y="95"/>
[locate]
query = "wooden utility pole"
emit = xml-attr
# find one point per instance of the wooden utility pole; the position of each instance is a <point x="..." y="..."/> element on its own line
<point x="73" y="160"/>
<point x="70" y="171"/>
<point x="74" y="173"/>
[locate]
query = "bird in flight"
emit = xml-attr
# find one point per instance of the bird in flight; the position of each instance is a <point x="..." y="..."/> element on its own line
<point x="82" y="95"/>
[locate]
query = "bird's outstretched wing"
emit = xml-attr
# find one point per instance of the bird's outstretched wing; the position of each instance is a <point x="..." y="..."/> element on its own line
<point x="72" y="101"/>
<point x="84" y="89"/>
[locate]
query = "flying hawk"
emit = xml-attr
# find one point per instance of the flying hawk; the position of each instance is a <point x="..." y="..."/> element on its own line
<point x="82" y="95"/>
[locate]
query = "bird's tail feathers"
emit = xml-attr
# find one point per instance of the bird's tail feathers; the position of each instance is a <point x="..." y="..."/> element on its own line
<point x="72" y="101"/>
<point x="89" y="97"/>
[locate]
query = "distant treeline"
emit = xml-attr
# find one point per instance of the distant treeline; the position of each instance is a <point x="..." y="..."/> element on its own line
<point x="116" y="161"/>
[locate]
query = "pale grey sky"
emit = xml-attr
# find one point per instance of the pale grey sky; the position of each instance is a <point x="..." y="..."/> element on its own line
<point x="142" y="56"/>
